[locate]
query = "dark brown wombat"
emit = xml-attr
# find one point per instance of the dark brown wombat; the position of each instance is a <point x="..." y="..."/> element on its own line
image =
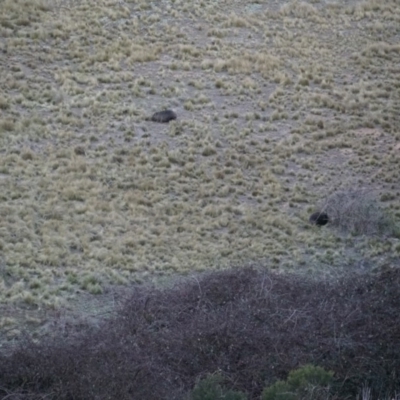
<point x="319" y="218"/>
<point x="164" y="116"/>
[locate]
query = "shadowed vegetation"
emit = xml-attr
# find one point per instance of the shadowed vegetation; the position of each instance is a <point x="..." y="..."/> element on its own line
<point x="252" y="326"/>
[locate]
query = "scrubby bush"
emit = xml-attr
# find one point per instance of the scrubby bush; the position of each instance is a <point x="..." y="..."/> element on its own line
<point x="211" y="388"/>
<point x="308" y="382"/>
<point x="253" y="326"/>
<point x="358" y="211"/>
<point x="280" y="390"/>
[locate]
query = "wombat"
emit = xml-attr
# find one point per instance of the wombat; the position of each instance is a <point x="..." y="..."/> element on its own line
<point x="164" y="116"/>
<point x="319" y="218"/>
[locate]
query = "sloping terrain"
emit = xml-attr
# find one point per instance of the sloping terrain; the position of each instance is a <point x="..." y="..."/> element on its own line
<point x="279" y="104"/>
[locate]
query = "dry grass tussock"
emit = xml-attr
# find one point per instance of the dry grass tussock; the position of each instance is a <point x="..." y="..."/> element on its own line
<point x="248" y="325"/>
<point x="278" y="105"/>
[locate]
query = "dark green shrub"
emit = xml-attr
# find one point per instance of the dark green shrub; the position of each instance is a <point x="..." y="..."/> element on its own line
<point x="280" y="390"/>
<point x="307" y="382"/>
<point x="210" y="389"/>
<point x="309" y="375"/>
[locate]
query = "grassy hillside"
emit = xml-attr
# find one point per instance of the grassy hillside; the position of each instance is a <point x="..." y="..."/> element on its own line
<point x="281" y="106"/>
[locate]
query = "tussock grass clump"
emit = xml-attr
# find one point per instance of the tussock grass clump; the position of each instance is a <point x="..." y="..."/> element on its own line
<point x="252" y="326"/>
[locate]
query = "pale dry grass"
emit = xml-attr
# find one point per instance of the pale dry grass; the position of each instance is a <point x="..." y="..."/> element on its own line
<point x="277" y="108"/>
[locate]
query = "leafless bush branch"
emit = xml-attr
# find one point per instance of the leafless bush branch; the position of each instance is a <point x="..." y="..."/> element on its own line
<point x="252" y="326"/>
<point x="358" y="211"/>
